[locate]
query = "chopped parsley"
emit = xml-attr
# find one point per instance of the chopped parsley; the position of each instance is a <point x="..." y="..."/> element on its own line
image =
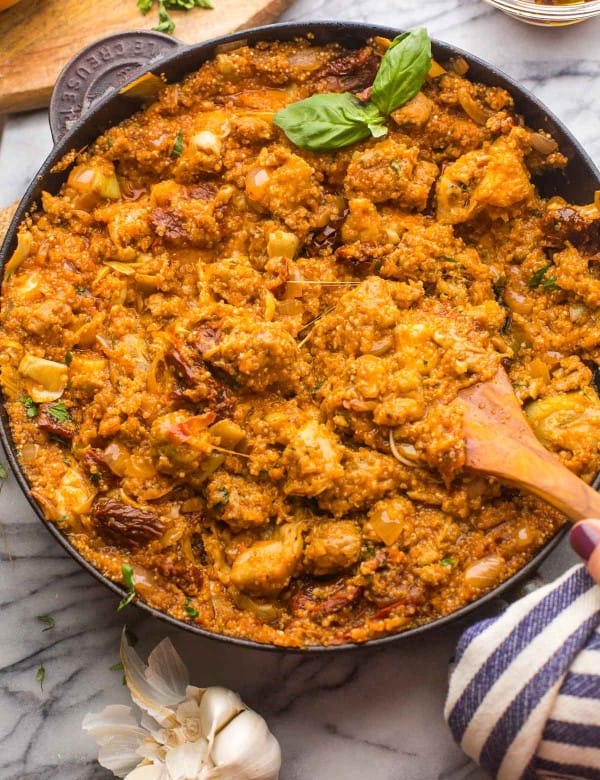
<point x="3" y="474"/>
<point x="397" y="168"/>
<point x="191" y="611"/>
<point x="448" y="562"/>
<point x="222" y="495"/>
<point x="48" y="620"/>
<point x="165" y="23"/>
<point x="58" y="411"/>
<point x="118" y="667"/>
<point x="127" y="573"/>
<point x="82" y="290"/>
<point x="550" y="284"/>
<point x="58" y="439"/>
<point x="68" y="358"/>
<point x="31" y="408"/>
<point x="499" y="286"/>
<point x="317" y="386"/>
<point x="40" y="676"/>
<point x="178" y="145"/>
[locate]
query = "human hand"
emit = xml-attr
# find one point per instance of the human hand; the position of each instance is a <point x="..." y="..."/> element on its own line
<point x="585" y="540"/>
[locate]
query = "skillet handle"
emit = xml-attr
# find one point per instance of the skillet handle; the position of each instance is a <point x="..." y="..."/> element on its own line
<point x="102" y="67"/>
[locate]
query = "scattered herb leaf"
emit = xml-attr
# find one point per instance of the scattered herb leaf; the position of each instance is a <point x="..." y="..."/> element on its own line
<point x="397" y="167"/>
<point x="58" y="439"/>
<point x="127" y="573"/>
<point x="58" y="411"/>
<point x="165" y="23"/>
<point x="499" y="285"/>
<point x="448" y="562"/>
<point x="40" y="676"/>
<point x="317" y="386"/>
<point x="63" y="519"/>
<point x="178" y="145"/>
<point x="68" y="358"/>
<point x="82" y="290"/>
<point x="222" y="495"/>
<point x="3" y="474"/>
<point x="550" y="284"/>
<point x="537" y="277"/>
<point x="191" y="611"/>
<point x="31" y="408"/>
<point x="48" y="620"/>
<point x="332" y="120"/>
<point x="118" y="667"/>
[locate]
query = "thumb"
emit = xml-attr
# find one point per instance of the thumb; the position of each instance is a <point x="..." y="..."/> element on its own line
<point x="585" y="540"/>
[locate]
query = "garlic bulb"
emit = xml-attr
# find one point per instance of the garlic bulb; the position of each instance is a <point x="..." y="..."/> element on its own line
<point x="184" y="733"/>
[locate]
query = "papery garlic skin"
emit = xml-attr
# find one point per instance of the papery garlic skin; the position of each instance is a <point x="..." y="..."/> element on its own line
<point x="185" y="733"/>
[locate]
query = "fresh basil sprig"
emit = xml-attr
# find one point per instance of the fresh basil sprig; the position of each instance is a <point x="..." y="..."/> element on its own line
<point x="329" y="121"/>
<point x="402" y="70"/>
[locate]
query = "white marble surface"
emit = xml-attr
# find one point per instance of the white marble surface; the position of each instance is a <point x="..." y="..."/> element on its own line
<point x="376" y="713"/>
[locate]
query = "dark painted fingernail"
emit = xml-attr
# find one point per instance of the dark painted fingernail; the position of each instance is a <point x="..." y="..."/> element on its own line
<point x="584" y="539"/>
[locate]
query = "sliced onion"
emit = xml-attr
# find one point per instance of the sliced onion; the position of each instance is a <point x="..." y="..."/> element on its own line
<point x="257" y="181"/>
<point x="472" y="108"/>
<point x="290" y="308"/>
<point x="542" y="143"/>
<point x="485" y="572"/>
<point x="117" y="458"/>
<point x="405" y="448"/>
<point x="29" y="452"/>
<point x="458" y="65"/>
<point x="576" y="311"/>
<point x="305" y="58"/>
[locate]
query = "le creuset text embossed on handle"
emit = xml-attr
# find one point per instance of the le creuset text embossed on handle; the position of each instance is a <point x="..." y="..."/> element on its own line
<point x="102" y="67"/>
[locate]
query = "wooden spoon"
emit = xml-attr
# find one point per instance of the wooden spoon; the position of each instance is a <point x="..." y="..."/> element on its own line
<point x="501" y="443"/>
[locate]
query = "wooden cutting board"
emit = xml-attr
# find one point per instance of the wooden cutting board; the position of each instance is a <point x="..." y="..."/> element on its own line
<point x="38" y="37"/>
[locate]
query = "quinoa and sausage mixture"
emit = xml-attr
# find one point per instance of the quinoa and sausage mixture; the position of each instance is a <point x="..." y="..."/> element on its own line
<point x="232" y="364"/>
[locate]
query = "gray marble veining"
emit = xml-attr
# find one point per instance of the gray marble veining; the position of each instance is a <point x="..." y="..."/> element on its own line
<point x="375" y="714"/>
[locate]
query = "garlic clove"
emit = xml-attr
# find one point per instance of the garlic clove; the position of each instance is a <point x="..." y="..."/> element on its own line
<point x="154" y="695"/>
<point x="217" y="708"/>
<point x="120" y="754"/>
<point x="245" y="750"/>
<point x="119" y="736"/>
<point x="148" y="772"/>
<point x="185" y="761"/>
<point x="103" y="726"/>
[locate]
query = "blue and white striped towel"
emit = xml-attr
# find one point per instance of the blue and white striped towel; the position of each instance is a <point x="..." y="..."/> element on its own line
<point x="524" y="697"/>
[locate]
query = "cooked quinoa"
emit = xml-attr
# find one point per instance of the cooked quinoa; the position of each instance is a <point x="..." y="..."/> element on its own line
<point x="232" y="364"/>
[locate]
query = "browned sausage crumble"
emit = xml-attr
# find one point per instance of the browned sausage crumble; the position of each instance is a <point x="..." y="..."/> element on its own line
<point x="231" y="363"/>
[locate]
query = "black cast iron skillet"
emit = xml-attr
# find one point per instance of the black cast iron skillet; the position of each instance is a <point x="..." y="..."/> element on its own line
<point x="87" y="100"/>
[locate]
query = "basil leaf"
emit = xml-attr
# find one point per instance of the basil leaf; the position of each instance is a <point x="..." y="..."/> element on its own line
<point x="322" y="123"/>
<point x="402" y="70"/>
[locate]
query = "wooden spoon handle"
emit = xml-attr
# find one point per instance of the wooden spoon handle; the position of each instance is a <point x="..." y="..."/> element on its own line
<point x="541" y="473"/>
<point x="500" y="442"/>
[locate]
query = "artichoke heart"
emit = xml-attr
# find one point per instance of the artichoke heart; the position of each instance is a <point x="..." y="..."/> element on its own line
<point x="47" y="379"/>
